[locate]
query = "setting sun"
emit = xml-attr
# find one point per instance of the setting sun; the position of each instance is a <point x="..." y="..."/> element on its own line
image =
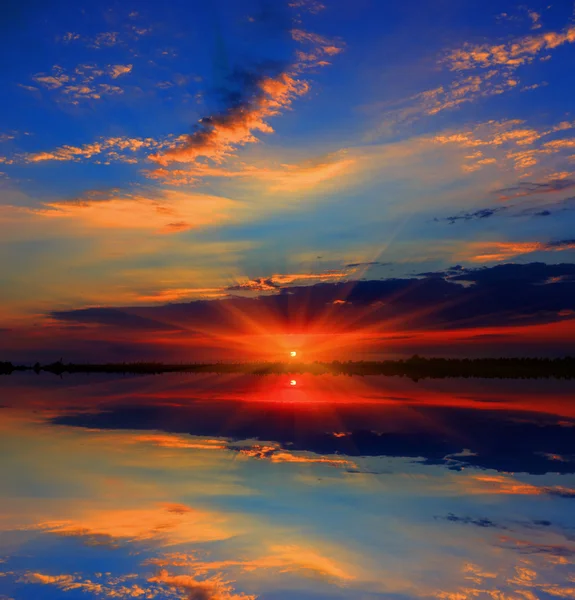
<point x="293" y="353"/>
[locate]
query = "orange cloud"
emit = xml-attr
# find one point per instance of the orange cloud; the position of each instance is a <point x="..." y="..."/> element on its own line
<point x="221" y="134"/>
<point x="171" y="212"/>
<point x="214" y="588"/>
<point x="173" y="295"/>
<point x="173" y="441"/>
<point x="512" y="55"/>
<point x="312" y="6"/>
<point x="165" y="524"/>
<point x="499" y="484"/>
<point x="500" y="251"/>
<point x="117" y="70"/>
<point x="276" y="454"/>
<point x="110" y="587"/>
<point x="279" y="557"/>
<point x="509" y="141"/>
<point x="274" y="282"/>
<point x="286" y="178"/>
<point x="321" y="48"/>
<point x="66" y="583"/>
<point x="83" y="83"/>
<point x="111" y="149"/>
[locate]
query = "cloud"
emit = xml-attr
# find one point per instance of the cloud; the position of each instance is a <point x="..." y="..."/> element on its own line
<point x="459" y="306"/>
<point x="478" y="215"/>
<point x="84" y="82"/>
<point x="483" y="522"/>
<point x="178" y="442"/>
<point x="249" y="96"/>
<point x="524" y="209"/>
<point x="66" y="583"/>
<point x="476" y="72"/>
<point x="107" y="150"/>
<point x="319" y="49"/>
<point x="508" y="142"/>
<point x="217" y="137"/>
<point x="105" y="39"/>
<point x="105" y="585"/>
<point x="530" y="188"/>
<point x="112" y="317"/>
<point x="501" y="251"/>
<point x="118" y="70"/>
<point x="372" y="263"/>
<point x="511" y="55"/>
<point x="529" y="547"/>
<point x="166" y="525"/>
<point x="282" y="558"/>
<point x="277" y="281"/>
<point x="312" y="6"/>
<point x="208" y="589"/>
<point x="170" y="212"/>
<point x="284" y="178"/>
<point x="278" y="455"/>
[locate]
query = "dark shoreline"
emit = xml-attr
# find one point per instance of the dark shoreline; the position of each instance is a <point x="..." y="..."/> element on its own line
<point x="414" y="368"/>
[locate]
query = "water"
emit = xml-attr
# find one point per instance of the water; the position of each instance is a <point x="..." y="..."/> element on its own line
<point x="220" y="488"/>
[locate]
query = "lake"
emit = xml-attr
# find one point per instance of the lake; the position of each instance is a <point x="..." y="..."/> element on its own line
<point x="229" y="487"/>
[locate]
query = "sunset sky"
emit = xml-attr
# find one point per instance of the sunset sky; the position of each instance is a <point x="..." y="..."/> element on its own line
<point x="303" y="168"/>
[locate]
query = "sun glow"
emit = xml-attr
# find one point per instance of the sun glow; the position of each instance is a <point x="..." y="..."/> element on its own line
<point x="293" y="353"/>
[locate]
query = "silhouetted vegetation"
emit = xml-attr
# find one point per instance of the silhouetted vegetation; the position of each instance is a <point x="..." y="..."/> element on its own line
<point x="414" y="368"/>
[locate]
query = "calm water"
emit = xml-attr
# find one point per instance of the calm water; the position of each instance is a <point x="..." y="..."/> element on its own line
<point x="221" y="488"/>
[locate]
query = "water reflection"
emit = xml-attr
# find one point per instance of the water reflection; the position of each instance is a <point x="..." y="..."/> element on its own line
<point x="221" y="488"/>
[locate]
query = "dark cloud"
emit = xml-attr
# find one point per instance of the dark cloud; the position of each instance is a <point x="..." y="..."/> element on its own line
<point x="528" y="547"/>
<point x="112" y="317"/>
<point x="511" y="210"/>
<point x="559" y="491"/>
<point x="372" y="263"/>
<point x="482" y="213"/>
<point x="530" y="293"/>
<point x="570" y="244"/>
<point x="530" y="188"/>
<point x="482" y="522"/>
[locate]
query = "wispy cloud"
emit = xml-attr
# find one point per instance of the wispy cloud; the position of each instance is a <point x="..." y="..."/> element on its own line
<point x="524" y="209"/>
<point x="169" y="212"/>
<point x="511" y="55"/>
<point x="106" y="151"/>
<point x="478" y="71"/>
<point x="486" y="252"/>
<point x="195" y="589"/>
<point x="275" y="282"/>
<point x="84" y="82"/>
<point x="512" y="141"/>
<point x="278" y="178"/>
<point x="531" y="188"/>
<point x="312" y="6"/>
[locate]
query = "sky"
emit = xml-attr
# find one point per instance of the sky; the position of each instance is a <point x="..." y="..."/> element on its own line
<point x="269" y="156"/>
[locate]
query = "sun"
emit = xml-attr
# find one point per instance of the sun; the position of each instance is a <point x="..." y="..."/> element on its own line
<point x="293" y="353"/>
<point x="293" y="382"/>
